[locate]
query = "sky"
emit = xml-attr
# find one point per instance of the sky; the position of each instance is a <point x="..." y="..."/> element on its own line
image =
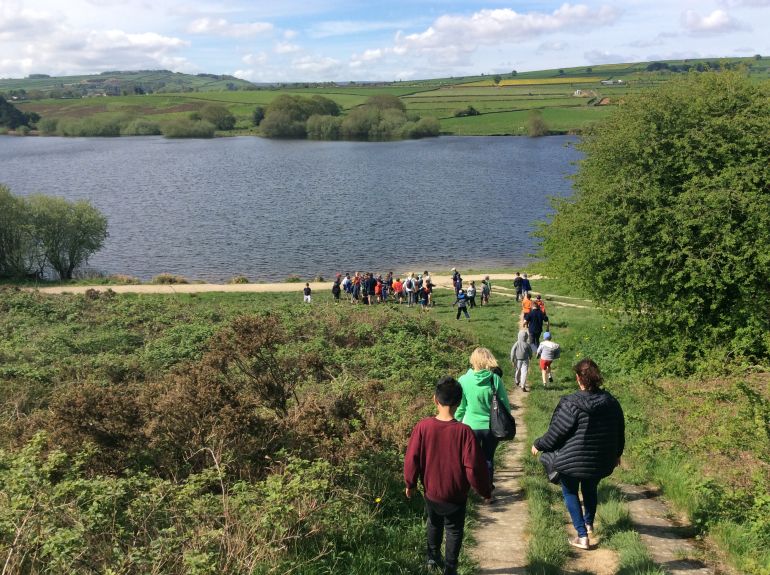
<point x="343" y="40"/>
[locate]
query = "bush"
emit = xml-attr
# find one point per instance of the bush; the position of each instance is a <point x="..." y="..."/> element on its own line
<point x="88" y="127"/>
<point x="238" y="280"/>
<point x="425" y="128"/>
<point x="219" y="116"/>
<point x="258" y="115"/>
<point x="23" y="131"/>
<point x="188" y="129"/>
<point x="161" y="279"/>
<point x="670" y="221"/>
<point x="280" y="124"/>
<point x="48" y="126"/>
<point x="536" y="125"/>
<point x="323" y="127"/>
<point x="463" y="112"/>
<point x="140" y="127"/>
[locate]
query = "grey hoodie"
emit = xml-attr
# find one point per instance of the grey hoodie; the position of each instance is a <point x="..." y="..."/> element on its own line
<point x="521" y="350"/>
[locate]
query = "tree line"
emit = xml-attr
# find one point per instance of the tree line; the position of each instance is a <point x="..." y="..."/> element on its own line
<point x="40" y="234"/>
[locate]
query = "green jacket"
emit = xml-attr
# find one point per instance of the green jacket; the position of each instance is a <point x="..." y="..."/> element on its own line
<point x="477" y="398"/>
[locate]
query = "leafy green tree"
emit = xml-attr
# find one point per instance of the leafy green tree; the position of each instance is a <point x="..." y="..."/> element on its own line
<point x="220" y="116"/>
<point x="670" y="221"/>
<point x="323" y="127"/>
<point x="282" y="124"/>
<point x="68" y="232"/>
<point x="385" y="101"/>
<point x="11" y="117"/>
<point x="497" y="79"/>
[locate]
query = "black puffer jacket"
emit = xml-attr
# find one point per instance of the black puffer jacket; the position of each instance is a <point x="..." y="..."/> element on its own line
<point x="588" y="431"/>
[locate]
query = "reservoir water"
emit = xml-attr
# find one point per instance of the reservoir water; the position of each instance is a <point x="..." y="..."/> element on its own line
<point x="212" y="209"/>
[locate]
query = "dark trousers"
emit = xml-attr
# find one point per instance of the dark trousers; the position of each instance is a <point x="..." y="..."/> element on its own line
<point x="463" y="310"/>
<point x="441" y="517"/>
<point x="488" y="443"/>
<point x="472" y="301"/>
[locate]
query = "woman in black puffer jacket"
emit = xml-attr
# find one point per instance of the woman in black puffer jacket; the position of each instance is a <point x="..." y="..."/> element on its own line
<point x="587" y="436"/>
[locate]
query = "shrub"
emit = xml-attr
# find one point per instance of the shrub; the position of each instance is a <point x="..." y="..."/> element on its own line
<point x="140" y="127"/>
<point x="670" y="221"/>
<point x="88" y="127"/>
<point x="292" y="279"/>
<point x="219" y="116"/>
<point x="23" y="131"/>
<point x="280" y="124"/>
<point x="425" y="128"/>
<point x="48" y="126"/>
<point x="258" y="115"/>
<point x="123" y="279"/>
<point x="463" y="112"/>
<point x="166" y="278"/>
<point x="536" y="125"/>
<point x="238" y="280"/>
<point x="323" y="127"/>
<point x="188" y="129"/>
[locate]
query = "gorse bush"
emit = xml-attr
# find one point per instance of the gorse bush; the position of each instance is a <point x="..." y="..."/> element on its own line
<point x="183" y="128"/>
<point x="219" y="445"/>
<point x="670" y="221"/>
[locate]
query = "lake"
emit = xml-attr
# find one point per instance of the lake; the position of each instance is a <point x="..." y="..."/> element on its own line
<point x="212" y="209"/>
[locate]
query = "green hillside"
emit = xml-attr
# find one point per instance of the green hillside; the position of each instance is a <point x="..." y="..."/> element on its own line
<point x="569" y="99"/>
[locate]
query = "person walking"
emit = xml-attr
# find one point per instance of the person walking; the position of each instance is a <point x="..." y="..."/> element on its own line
<point x="479" y="384"/>
<point x="587" y="438"/>
<point x="517" y="281"/>
<point x="535" y="320"/>
<point x="521" y="352"/>
<point x="471" y="293"/>
<point x="336" y="290"/>
<point x="410" y="286"/>
<point x="486" y="289"/>
<point x="457" y="280"/>
<point x="547" y="351"/>
<point x="462" y="304"/>
<point x="526" y="287"/>
<point x="307" y="291"/>
<point x="444" y="455"/>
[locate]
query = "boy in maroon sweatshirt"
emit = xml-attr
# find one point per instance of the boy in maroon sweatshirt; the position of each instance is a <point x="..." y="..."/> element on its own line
<point x="444" y="454"/>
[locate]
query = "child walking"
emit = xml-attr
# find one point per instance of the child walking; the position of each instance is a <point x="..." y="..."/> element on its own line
<point x="444" y="455"/>
<point x="547" y="351"/>
<point x="307" y="292"/>
<point x="462" y="304"/>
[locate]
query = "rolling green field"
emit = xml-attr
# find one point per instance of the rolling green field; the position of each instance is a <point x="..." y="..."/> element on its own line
<point x="570" y="99"/>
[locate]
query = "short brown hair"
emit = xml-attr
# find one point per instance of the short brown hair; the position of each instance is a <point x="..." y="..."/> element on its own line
<point x="482" y="358"/>
<point x="588" y="373"/>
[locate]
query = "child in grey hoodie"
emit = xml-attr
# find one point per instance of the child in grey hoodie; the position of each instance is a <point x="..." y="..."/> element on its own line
<point x="520" y="354"/>
<point x="547" y="351"/>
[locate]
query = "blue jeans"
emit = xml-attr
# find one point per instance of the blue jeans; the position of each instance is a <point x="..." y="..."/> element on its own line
<point x="588" y="488"/>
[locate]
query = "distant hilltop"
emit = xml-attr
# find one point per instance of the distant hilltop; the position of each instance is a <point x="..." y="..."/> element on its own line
<point x="139" y="82"/>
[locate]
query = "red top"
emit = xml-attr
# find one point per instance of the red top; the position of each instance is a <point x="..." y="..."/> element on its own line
<point x="447" y="458"/>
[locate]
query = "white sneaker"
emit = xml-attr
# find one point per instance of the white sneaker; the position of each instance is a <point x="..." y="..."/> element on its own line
<point x="589" y="529"/>
<point x="580" y="543"/>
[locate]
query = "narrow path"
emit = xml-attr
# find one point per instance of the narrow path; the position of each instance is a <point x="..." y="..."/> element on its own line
<point x="501" y="534"/>
<point x="670" y="545"/>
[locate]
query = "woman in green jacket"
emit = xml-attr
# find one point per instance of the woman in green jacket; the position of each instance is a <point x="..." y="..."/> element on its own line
<point x="479" y="383"/>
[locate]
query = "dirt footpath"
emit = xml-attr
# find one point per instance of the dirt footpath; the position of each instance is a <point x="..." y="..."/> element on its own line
<point x="317" y="287"/>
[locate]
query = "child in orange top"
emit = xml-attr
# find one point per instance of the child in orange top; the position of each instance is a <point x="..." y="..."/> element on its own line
<point x="526" y="305"/>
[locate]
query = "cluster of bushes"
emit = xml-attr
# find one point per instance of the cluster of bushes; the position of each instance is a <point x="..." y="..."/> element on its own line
<point x="201" y="124"/>
<point x="42" y="233"/>
<point x="381" y="117"/>
<point x="713" y="66"/>
<point x="467" y="111"/>
<point x="193" y="443"/>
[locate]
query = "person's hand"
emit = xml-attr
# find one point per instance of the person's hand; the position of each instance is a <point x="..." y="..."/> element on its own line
<point x="535" y="451"/>
<point x="409" y="491"/>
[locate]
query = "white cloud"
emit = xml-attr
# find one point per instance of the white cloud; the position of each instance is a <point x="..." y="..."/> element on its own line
<point x="466" y="33"/>
<point x="744" y="3"/>
<point x="717" y="22"/>
<point x="221" y="27"/>
<point x="354" y="27"/>
<point x="289" y="34"/>
<point x="315" y="65"/>
<point x="286" y="48"/>
<point x="259" y="59"/>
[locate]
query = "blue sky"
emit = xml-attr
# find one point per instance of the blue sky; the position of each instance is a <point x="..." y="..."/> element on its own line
<point x="338" y="40"/>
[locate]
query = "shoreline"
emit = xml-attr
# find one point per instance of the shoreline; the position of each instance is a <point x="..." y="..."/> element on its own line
<point x="441" y="282"/>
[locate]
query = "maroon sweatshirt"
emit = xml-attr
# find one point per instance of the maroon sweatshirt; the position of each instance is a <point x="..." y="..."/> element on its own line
<point x="447" y="458"/>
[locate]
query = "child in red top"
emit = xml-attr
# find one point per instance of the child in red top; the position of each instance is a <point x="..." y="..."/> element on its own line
<point x="444" y="454"/>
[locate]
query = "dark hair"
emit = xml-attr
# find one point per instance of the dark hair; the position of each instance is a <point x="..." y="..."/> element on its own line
<point x="449" y="393"/>
<point x="589" y="374"/>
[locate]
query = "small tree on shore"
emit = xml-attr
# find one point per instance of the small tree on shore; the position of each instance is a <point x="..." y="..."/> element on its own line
<point x="68" y="232"/>
<point x="536" y="125"/>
